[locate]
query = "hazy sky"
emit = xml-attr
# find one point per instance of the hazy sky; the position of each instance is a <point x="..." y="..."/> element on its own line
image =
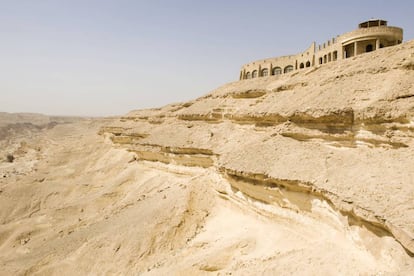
<point x="107" y="57"/>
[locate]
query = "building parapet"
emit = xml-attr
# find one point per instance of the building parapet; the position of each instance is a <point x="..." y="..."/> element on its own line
<point x="372" y="31"/>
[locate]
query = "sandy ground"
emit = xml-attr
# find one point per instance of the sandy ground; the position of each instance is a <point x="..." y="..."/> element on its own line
<point x="307" y="173"/>
<point x="76" y="205"/>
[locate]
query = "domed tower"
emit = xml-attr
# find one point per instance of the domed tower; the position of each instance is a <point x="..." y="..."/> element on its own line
<point x="371" y="35"/>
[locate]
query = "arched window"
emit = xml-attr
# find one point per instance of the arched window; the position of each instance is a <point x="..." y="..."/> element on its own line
<point x="320" y="60"/>
<point x="265" y="72"/>
<point x="254" y="74"/>
<point x="248" y="76"/>
<point x="308" y="64"/>
<point x="324" y="59"/>
<point x="329" y="57"/>
<point x="288" y="69"/>
<point x="301" y="66"/>
<point x="335" y="55"/>
<point x="369" y="48"/>
<point x="277" y="71"/>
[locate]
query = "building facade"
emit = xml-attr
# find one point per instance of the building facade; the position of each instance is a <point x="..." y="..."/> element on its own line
<point x="370" y="36"/>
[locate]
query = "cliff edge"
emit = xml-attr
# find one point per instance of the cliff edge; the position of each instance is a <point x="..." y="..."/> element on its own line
<point x="342" y="132"/>
<point x="310" y="172"/>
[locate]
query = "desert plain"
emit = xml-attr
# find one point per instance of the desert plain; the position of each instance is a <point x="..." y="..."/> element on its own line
<point x="306" y="173"/>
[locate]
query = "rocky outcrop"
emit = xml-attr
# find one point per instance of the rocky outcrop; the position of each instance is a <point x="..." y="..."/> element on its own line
<point x="342" y="133"/>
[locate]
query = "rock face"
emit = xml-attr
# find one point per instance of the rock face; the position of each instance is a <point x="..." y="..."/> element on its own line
<point x="341" y="132"/>
<point x="305" y="173"/>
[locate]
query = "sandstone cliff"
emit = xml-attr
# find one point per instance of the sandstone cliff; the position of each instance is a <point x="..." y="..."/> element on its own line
<point x="305" y="173"/>
<point x="342" y="132"/>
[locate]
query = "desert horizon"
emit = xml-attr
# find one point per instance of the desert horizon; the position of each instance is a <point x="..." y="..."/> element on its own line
<point x="308" y="172"/>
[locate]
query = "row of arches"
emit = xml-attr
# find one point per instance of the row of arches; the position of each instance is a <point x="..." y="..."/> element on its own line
<point x="302" y="65"/>
<point x="265" y="72"/>
<point x="328" y="57"/>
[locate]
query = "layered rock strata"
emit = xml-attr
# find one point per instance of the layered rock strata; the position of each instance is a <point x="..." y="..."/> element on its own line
<point x="342" y="133"/>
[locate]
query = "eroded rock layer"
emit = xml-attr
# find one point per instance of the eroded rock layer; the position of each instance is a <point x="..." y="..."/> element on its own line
<point x="342" y="132"/>
<point x="305" y="173"/>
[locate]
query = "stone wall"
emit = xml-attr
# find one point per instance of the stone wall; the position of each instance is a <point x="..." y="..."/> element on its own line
<point x="350" y="44"/>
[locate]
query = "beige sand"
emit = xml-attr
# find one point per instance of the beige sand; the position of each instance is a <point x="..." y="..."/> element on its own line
<point x="310" y="173"/>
